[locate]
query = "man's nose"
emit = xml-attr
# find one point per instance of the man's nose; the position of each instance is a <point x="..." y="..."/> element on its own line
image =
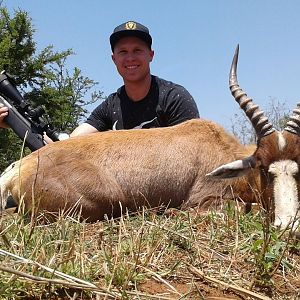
<point x="130" y="56"/>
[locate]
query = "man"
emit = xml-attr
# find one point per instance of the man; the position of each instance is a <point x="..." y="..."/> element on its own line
<point x="144" y="101"/>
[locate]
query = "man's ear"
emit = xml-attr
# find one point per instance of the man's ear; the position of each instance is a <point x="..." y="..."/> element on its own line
<point x="151" y="55"/>
<point x="113" y="58"/>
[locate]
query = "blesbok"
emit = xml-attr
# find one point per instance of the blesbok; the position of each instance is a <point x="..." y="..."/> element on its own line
<point x="108" y="172"/>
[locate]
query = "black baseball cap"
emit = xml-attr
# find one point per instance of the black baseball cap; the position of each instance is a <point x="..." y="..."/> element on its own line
<point x="130" y="28"/>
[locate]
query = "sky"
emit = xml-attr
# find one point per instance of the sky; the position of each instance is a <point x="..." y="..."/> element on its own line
<point x="193" y="40"/>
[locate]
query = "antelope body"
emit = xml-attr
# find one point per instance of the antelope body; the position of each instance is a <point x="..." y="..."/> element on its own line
<point x="134" y="168"/>
<point x="193" y="164"/>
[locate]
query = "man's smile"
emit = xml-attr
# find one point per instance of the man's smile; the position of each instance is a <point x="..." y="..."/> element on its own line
<point x="131" y="67"/>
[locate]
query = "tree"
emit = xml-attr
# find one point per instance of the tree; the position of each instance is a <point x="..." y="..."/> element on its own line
<point x="42" y="78"/>
<point x="63" y="95"/>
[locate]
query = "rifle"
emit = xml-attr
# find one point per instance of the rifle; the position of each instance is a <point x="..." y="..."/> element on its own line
<point x="25" y="121"/>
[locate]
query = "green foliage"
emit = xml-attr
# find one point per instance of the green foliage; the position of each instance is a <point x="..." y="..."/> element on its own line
<point x="10" y="148"/>
<point x="267" y="255"/>
<point x="17" y="45"/>
<point x="63" y="95"/>
<point x="42" y="78"/>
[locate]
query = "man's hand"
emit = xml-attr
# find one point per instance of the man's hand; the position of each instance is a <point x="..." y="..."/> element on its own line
<point x="3" y="114"/>
<point x="47" y="139"/>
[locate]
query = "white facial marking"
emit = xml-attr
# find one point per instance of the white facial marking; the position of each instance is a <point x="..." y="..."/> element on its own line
<point x="281" y="142"/>
<point x="285" y="192"/>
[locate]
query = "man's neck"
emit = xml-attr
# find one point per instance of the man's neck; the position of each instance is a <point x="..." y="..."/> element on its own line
<point x="137" y="91"/>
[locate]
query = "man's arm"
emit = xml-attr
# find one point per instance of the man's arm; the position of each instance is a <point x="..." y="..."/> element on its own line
<point x="83" y="129"/>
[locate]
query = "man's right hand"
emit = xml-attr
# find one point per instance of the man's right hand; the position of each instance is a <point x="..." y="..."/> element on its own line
<point x="3" y="114"/>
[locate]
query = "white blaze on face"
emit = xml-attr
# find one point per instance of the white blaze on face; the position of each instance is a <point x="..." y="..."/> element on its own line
<point x="281" y="141"/>
<point x="285" y="191"/>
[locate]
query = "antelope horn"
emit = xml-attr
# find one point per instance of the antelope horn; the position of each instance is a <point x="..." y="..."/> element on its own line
<point x="258" y="120"/>
<point x="293" y="125"/>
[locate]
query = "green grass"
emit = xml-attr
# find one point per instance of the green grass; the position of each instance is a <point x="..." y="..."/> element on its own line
<point x="148" y="256"/>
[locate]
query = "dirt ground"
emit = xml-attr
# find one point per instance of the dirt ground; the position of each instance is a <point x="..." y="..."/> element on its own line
<point x="200" y="290"/>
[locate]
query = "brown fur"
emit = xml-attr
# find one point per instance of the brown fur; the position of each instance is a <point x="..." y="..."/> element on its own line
<point x="132" y="168"/>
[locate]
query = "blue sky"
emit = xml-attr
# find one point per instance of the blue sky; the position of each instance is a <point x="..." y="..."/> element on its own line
<point x="193" y="40"/>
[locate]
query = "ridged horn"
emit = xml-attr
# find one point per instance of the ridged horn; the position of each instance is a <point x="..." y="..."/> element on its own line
<point x="293" y="124"/>
<point x="259" y="121"/>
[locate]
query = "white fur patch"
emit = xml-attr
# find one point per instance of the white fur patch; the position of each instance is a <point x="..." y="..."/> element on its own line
<point x="285" y="192"/>
<point x="6" y="176"/>
<point x="281" y="141"/>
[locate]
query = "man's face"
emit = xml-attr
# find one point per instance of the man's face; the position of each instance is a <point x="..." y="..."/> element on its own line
<point x="132" y="58"/>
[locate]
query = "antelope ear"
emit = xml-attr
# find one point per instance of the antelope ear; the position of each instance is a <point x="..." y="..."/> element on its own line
<point x="233" y="169"/>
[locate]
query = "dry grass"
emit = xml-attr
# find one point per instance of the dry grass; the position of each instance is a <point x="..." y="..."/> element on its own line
<point x="148" y="256"/>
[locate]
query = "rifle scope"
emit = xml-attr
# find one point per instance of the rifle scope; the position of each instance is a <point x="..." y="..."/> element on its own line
<point x="33" y="115"/>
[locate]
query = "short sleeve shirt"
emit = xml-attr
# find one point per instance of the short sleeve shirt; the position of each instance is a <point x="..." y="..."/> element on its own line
<point x="166" y="104"/>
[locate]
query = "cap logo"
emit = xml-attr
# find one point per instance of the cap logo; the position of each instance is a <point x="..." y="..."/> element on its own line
<point x="130" y="25"/>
